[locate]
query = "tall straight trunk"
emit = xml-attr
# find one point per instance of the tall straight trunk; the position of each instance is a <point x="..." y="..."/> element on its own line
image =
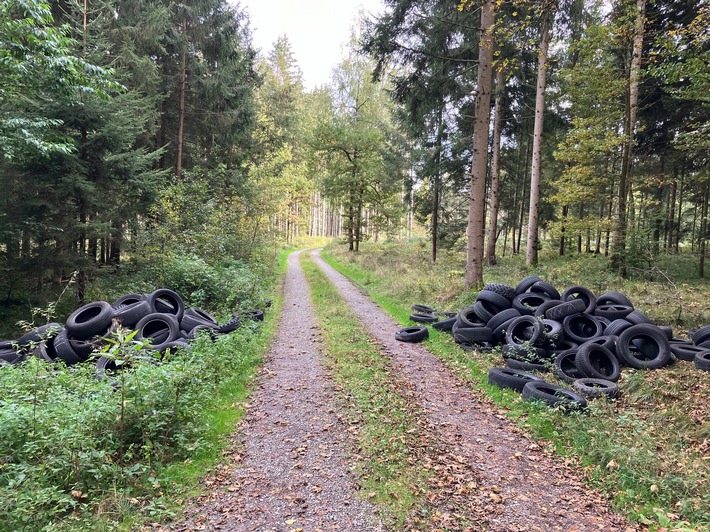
<point x="183" y="90"/>
<point x="437" y="186"/>
<point x="531" y="253"/>
<point x="680" y="209"/>
<point x="479" y="159"/>
<point x="565" y="211"/>
<point x="703" y="236"/>
<point x="631" y="113"/>
<point x="495" y="170"/>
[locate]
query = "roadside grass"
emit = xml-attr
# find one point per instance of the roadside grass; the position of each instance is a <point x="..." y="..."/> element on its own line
<point x="385" y="429"/>
<point x="649" y="450"/>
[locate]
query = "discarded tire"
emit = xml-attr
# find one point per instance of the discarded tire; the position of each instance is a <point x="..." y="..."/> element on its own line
<point x="522" y="365"/>
<point x="423" y="309"/>
<point x="597" y="362"/>
<point x="166" y="301"/>
<point x="643" y="346"/>
<point x="412" y="334"/>
<point x="581" y="327"/>
<point x="504" y="290"/>
<point x="128" y="314"/>
<point x="159" y="328"/>
<point x="444" y="325"/>
<point x="581" y="293"/>
<point x="565" y="368"/>
<point x="423" y="318"/>
<point x="553" y="395"/>
<point x="89" y="320"/>
<point x="702" y="361"/>
<point x="511" y="378"/>
<point x="687" y="352"/>
<point x="593" y="388"/>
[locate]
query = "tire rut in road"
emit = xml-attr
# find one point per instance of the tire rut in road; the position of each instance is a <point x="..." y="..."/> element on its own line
<point x="532" y="490"/>
<point x="292" y="471"/>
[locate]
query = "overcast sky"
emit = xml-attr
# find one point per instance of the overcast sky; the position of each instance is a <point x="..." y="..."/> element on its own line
<point x="317" y="30"/>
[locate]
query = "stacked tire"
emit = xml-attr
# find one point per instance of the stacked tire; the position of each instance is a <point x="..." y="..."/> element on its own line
<point x="159" y="317"/>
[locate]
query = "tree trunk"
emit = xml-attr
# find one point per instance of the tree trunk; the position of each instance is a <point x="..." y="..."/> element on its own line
<point x="565" y="211"/>
<point x="619" y="241"/>
<point x="437" y="186"/>
<point x="479" y="159"/>
<point x="183" y="90"/>
<point x="531" y="253"/>
<point x="495" y="170"/>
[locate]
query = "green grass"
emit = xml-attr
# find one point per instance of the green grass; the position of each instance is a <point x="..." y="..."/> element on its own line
<point x="649" y="450"/>
<point x="385" y="429"/>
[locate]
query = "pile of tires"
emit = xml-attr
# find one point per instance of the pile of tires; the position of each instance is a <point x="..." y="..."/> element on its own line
<point x="583" y="338"/>
<point x="159" y="317"/>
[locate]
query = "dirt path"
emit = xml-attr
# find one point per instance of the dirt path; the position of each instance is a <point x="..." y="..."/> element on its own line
<point x="290" y="471"/>
<point x="532" y="490"/>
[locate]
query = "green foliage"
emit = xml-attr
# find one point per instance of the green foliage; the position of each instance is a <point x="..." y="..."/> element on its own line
<point x="71" y="442"/>
<point x="38" y="65"/>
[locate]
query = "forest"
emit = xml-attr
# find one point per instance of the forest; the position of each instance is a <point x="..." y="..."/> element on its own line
<point x="148" y="143"/>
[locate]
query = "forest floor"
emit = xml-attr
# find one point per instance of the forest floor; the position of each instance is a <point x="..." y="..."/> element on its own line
<point x="293" y="465"/>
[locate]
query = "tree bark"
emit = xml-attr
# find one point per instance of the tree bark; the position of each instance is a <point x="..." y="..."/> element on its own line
<point x="619" y="240"/>
<point x="479" y="159"/>
<point x="495" y="170"/>
<point x="531" y="253"/>
<point x="183" y="90"/>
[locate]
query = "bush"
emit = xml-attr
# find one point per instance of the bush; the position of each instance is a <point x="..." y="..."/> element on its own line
<point x="69" y="439"/>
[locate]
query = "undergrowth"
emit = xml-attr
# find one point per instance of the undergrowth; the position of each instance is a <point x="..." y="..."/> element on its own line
<point x="648" y="450"/>
<point x="79" y="452"/>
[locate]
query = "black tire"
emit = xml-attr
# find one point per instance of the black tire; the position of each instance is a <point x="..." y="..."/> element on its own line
<point x="597" y="362"/>
<point x="504" y="290"/>
<point x="564" y="309"/>
<point x="702" y="361"/>
<point x="484" y="311"/>
<point x="129" y="299"/>
<point x="565" y="368"/>
<point x="528" y="302"/>
<point x="194" y="317"/>
<point x="524" y="330"/>
<point x="166" y="301"/>
<point x="526" y="353"/>
<point x="498" y="301"/>
<point x="582" y="327"/>
<point x="229" y="326"/>
<point x="644" y="346"/>
<point x="423" y="318"/>
<point x="542" y="287"/>
<point x="423" y="309"/>
<point x="540" y="311"/>
<point x="89" y="320"/>
<point x="687" y="352"/>
<point x="614" y="298"/>
<point x="500" y="332"/>
<point x="636" y="317"/>
<point x="174" y="346"/>
<point x="445" y="314"/>
<point x="160" y="328"/>
<point x="701" y="335"/>
<point x="64" y="350"/>
<point x="524" y="365"/>
<point x="616" y="327"/>
<point x="593" y="388"/>
<point x="254" y="315"/>
<point x="104" y="365"/>
<point x="502" y="317"/>
<point x="38" y="334"/>
<point x="473" y="335"/>
<point x="412" y="335"/>
<point x="198" y="329"/>
<point x="552" y="333"/>
<point x="129" y="314"/>
<point x="468" y="317"/>
<point x="667" y="330"/>
<point x="613" y="311"/>
<point x="10" y="357"/>
<point x="553" y="395"/>
<point x="605" y="341"/>
<point x="444" y="325"/>
<point x="524" y="285"/>
<point x="510" y="378"/>
<point x="581" y="293"/>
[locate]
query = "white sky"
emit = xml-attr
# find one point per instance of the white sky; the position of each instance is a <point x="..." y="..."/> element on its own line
<point x="316" y="29"/>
